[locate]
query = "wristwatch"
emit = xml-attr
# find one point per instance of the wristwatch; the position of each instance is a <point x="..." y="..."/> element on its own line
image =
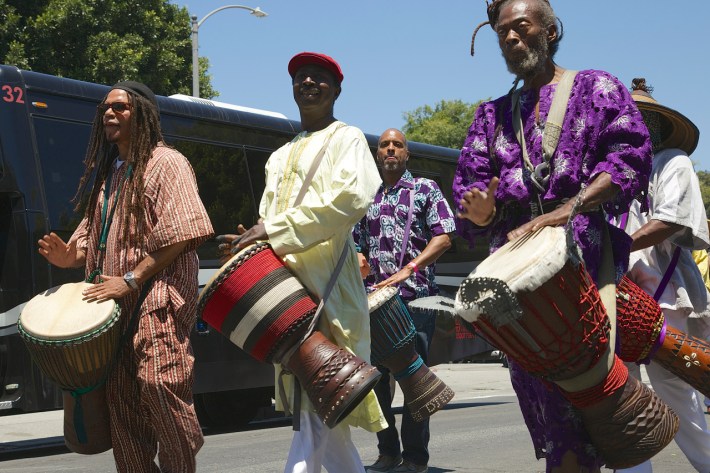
<point x="130" y="279"/>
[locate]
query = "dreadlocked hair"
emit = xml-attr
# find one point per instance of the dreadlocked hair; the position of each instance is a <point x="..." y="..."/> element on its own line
<point x="547" y="16"/>
<point x="654" y="121"/>
<point x="145" y="136"/>
<point x="640" y="84"/>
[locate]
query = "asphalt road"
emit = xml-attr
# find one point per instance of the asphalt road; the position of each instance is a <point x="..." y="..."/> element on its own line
<point x="480" y="431"/>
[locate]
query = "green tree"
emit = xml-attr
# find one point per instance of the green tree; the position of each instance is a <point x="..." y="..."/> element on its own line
<point x="704" y="178"/>
<point x="103" y="41"/>
<point x="445" y="124"/>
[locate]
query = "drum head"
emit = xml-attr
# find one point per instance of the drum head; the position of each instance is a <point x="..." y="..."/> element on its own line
<point x="379" y="297"/>
<point x="60" y="313"/>
<point x="527" y="262"/>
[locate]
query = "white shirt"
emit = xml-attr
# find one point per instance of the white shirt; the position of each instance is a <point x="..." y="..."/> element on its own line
<point x="674" y="197"/>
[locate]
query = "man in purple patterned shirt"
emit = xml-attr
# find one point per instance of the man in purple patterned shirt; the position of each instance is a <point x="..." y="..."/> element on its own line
<point x="406" y="229"/>
<point x="604" y="146"/>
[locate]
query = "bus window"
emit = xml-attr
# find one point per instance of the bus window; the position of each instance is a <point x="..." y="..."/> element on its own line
<point x="8" y="251"/>
<point x="62" y="147"/>
<point x="257" y="170"/>
<point x="223" y="179"/>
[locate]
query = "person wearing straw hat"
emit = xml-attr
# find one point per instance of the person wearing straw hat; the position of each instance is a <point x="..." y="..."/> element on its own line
<point x="506" y="185"/>
<point x="661" y="261"/>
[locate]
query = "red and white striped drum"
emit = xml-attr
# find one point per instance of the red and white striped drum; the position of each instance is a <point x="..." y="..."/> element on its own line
<point x="256" y="302"/>
<point x="260" y="305"/>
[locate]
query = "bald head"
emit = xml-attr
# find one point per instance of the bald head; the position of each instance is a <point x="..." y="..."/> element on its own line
<point x="393" y="133"/>
<point x="392" y="155"/>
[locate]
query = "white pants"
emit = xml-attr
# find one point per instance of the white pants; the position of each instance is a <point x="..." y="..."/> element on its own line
<point x="317" y="445"/>
<point x="693" y="437"/>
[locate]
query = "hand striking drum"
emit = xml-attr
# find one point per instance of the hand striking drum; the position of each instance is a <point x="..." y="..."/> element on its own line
<point x="256" y="302"/>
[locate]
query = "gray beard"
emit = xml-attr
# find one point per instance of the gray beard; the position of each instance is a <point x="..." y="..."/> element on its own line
<point x="390" y="166"/>
<point x="533" y="62"/>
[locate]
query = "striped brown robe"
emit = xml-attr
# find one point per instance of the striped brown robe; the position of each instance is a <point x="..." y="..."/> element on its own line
<point x="149" y="392"/>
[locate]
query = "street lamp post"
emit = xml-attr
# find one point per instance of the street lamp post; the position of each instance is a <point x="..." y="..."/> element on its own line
<point x="257" y="12"/>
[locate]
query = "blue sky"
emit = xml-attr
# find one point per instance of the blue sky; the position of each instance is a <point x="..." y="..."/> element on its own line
<point x="399" y="55"/>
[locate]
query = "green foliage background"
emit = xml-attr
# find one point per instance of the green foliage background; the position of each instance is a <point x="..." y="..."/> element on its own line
<point x="103" y="41"/>
<point x="444" y="124"/>
<point x="704" y="178"/>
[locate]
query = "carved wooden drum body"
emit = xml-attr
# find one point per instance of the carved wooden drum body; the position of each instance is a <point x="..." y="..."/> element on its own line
<point x="74" y="342"/>
<point x="535" y="300"/>
<point x="392" y="333"/>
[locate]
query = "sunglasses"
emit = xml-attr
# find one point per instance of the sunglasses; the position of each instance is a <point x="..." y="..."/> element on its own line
<point x="118" y="107"/>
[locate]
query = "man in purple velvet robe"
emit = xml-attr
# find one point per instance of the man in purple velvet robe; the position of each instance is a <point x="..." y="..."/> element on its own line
<point x="604" y="147"/>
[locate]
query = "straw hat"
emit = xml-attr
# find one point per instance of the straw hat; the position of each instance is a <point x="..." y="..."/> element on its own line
<point x="676" y="129"/>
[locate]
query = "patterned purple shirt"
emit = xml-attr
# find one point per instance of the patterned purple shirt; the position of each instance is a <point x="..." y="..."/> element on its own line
<point x="602" y="132"/>
<point x="380" y="234"/>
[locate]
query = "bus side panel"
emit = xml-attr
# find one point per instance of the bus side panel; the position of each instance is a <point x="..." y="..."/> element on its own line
<point x="22" y="386"/>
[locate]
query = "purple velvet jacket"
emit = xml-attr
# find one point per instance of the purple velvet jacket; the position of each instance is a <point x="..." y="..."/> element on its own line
<point x="603" y="131"/>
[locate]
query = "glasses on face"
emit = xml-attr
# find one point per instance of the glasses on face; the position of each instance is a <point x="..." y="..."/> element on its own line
<point x="118" y="107"/>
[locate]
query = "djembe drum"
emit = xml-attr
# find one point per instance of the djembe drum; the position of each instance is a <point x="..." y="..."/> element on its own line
<point x="74" y="343"/>
<point x="392" y="346"/>
<point x="260" y="305"/>
<point x="256" y="302"/>
<point x="534" y="299"/>
<point x="643" y="335"/>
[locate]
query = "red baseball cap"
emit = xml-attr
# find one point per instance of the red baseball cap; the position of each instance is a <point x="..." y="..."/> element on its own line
<point x="317" y="59"/>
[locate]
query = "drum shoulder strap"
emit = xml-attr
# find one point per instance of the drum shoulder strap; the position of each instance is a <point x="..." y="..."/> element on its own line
<point x="408" y="225"/>
<point x="314" y="167"/>
<point x="556" y="116"/>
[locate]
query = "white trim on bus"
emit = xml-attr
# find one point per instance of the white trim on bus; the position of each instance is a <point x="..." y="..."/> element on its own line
<point x="239" y="108"/>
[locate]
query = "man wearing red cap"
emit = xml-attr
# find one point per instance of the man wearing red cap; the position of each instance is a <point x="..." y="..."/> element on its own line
<point x="310" y="237"/>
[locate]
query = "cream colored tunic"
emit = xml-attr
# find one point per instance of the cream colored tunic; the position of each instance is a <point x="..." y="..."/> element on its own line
<point x="311" y="236"/>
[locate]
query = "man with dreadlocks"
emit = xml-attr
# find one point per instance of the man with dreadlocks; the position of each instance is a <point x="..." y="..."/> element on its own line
<point x="505" y="187"/>
<point x="143" y="220"/>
